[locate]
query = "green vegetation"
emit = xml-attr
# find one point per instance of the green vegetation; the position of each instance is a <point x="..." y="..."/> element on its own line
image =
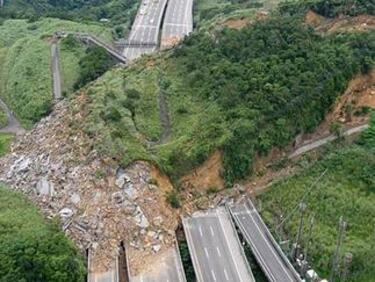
<point x="240" y="91"/>
<point x="3" y="118"/>
<point x="348" y="190"/>
<point x="118" y="12"/>
<point x="25" y="74"/>
<point x="209" y="11"/>
<point x="5" y="140"/>
<point x="331" y="8"/>
<point x="31" y="248"/>
<point x="95" y="62"/>
<point x="186" y="261"/>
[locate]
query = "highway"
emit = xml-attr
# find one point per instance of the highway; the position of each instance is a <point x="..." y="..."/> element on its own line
<point x="145" y="28"/>
<point x="215" y="249"/>
<point x="96" y="41"/>
<point x="95" y="275"/>
<point x="166" y="269"/>
<point x="265" y="249"/>
<point x="178" y="22"/>
<point x="55" y="66"/>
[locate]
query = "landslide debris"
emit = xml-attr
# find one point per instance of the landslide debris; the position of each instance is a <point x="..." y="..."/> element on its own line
<point x="99" y="203"/>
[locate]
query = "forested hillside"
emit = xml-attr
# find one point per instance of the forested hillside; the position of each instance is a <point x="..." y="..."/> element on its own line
<point x="348" y="190"/>
<point x="242" y="92"/>
<point x="331" y="8"/>
<point x="117" y="11"/>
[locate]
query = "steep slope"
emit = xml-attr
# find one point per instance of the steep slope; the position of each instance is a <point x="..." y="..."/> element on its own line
<point x="346" y="190"/>
<point x="239" y="91"/>
<point x="99" y="203"/>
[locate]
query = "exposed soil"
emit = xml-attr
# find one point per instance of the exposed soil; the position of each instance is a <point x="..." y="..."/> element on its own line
<point x="206" y="176"/>
<point x="360" y="93"/>
<point x="239" y="23"/>
<point x="236" y="23"/>
<point x="170" y="41"/>
<point x="340" y="24"/>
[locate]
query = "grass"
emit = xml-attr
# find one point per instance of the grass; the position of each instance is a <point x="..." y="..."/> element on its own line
<point x="5" y="141"/>
<point x="126" y="138"/>
<point x="3" y="118"/>
<point x="348" y="190"/>
<point x="25" y="76"/>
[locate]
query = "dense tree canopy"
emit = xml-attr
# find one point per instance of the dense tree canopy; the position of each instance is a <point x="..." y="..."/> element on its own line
<point x="331" y="8"/>
<point x="116" y="10"/>
<point x="32" y="249"/>
<point x="271" y="80"/>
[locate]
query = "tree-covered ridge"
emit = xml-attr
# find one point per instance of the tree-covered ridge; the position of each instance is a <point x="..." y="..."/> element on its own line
<point x="271" y="80"/>
<point x="242" y="92"/>
<point x="348" y="190"/>
<point x="331" y="8"/>
<point x="31" y="248"/>
<point x="116" y="10"/>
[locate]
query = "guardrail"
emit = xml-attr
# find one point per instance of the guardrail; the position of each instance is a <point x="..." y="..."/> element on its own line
<point x="276" y="246"/>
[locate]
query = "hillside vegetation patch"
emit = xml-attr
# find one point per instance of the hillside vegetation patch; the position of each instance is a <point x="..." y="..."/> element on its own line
<point x="25" y="72"/>
<point x="34" y="249"/>
<point x="240" y="91"/>
<point x="346" y="190"/>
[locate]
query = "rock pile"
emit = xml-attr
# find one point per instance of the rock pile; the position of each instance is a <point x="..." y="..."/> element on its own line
<point x="99" y="204"/>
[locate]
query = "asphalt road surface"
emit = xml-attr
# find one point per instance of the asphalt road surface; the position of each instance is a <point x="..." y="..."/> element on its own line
<point x="145" y="29"/>
<point x="55" y="65"/>
<point x="321" y="142"/>
<point x="215" y="249"/>
<point x="167" y="269"/>
<point x="255" y="232"/>
<point x="178" y="22"/>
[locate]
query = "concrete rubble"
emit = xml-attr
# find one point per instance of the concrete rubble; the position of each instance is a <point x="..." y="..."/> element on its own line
<point x="99" y="203"/>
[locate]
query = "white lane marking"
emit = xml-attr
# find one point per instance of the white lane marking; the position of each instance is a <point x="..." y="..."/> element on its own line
<point x="227" y="243"/>
<point x="218" y="251"/>
<point x="213" y="275"/>
<point x="226" y="274"/>
<point x="192" y="250"/>
<point x="270" y="246"/>
<point x="200" y="231"/>
<point x="212" y="231"/>
<point x="255" y="249"/>
<point x="206" y="252"/>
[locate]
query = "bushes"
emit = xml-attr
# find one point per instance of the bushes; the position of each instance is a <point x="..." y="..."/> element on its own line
<point x="118" y="11"/>
<point x="5" y="140"/>
<point x="348" y="190"/>
<point x="3" y="118"/>
<point x="330" y="9"/>
<point x="92" y="65"/>
<point x="32" y="249"/>
<point x="271" y="80"/>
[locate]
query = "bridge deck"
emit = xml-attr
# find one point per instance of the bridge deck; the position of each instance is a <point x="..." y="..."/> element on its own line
<point x="178" y="22"/>
<point x="215" y="249"/>
<point x="274" y="264"/>
<point x="146" y="27"/>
